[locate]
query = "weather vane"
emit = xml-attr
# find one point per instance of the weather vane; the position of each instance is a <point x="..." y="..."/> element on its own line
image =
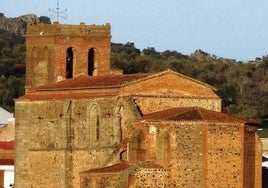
<point x="57" y="13"/>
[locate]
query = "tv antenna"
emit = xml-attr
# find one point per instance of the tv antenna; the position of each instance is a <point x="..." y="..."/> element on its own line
<point x="58" y="13"/>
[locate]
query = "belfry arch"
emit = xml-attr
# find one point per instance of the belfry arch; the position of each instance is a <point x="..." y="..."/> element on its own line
<point x="69" y="62"/>
<point x="91" y="61"/>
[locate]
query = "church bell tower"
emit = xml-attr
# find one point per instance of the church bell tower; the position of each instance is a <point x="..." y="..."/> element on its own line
<point x="56" y="52"/>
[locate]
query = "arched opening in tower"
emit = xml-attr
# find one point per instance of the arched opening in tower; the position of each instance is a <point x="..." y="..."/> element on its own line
<point x="91" y="59"/>
<point x="69" y="63"/>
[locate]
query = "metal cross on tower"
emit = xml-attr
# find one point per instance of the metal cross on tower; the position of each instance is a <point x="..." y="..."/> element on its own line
<point x="57" y="13"/>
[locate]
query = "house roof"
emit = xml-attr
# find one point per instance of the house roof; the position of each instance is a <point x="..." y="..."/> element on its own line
<point x="9" y="145"/>
<point x="4" y="116"/>
<point x="7" y="153"/>
<point x="7" y="132"/>
<point x="6" y="161"/>
<point x="194" y="114"/>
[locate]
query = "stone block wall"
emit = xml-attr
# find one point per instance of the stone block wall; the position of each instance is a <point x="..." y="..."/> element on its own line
<point x="22" y="143"/>
<point x="71" y="136"/>
<point x="187" y="158"/>
<point x="53" y="162"/>
<point x="200" y="154"/>
<point x="225" y="155"/>
<point x="149" y="177"/>
<point x="151" y="104"/>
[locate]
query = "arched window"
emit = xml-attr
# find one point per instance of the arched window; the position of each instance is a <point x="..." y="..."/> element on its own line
<point x="46" y="65"/>
<point x="163" y="147"/>
<point x="46" y="54"/>
<point x="69" y="63"/>
<point x="91" y="61"/>
<point x="34" y="59"/>
<point x="34" y="54"/>
<point x="117" y="129"/>
<point x="94" y="123"/>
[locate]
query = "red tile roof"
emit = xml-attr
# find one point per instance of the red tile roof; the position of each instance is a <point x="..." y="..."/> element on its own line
<point x="84" y="81"/>
<point x="78" y="87"/>
<point x="194" y="114"/>
<point x="6" y="161"/>
<point x="84" y="86"/>
<point x="110" y="169"/>
<point x="124" y="165"/>
<point x="7" y="145"/>
<point x="68" y="95"/>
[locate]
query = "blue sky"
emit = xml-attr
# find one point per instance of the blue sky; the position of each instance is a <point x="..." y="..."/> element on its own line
<point x="235" y="29"/>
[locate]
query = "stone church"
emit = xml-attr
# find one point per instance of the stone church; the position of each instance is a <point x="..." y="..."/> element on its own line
<point x="81" y="125"/>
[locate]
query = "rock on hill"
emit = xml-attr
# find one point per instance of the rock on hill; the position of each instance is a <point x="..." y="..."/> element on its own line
<point x="17" y="25"/>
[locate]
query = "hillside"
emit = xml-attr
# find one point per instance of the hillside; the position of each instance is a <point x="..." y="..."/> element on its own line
<point x="242" y="86"/>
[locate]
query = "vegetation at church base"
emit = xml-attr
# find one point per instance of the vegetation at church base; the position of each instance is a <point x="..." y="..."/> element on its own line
<point x="242" y="86"/>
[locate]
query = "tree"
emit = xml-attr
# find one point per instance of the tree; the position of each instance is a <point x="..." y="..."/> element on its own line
<point x="45" y="19"/>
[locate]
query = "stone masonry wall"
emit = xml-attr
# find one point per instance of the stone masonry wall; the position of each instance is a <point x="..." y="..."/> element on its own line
<point x="150" y="177"/>
<point x="22" y="143"/>
<point x="61" y="134"/>
<point x="224" y="155"/>
<point x="187" y="160"/>
<point x="152" y="104"/>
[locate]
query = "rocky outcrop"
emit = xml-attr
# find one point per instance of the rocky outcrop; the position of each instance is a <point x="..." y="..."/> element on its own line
<point x="17" y="25"/>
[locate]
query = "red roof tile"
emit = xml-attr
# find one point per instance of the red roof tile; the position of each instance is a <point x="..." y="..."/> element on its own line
<point x="67" y="94"/>
<point x="7" y="145"/>
<point x="84" y="81"/>
<point x="78" y="87"/>
<point x="110" y="169"/>
<point x="124" y="165"/>
<point x="194" y="114"/>
<point x="84" y="86"/>
<point x="6" y="161"/>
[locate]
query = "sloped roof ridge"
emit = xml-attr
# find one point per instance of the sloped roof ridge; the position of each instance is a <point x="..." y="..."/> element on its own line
<point x="108" y="81"/>
<point x="188" y="111"/>
<point x="199" y="112"/>
<point x="168" y="71"/>
<point x="119" y="81"/>
<point x="169" y="111"/>
<point x="177" y="113"/>
<point x="124" y="165"/>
